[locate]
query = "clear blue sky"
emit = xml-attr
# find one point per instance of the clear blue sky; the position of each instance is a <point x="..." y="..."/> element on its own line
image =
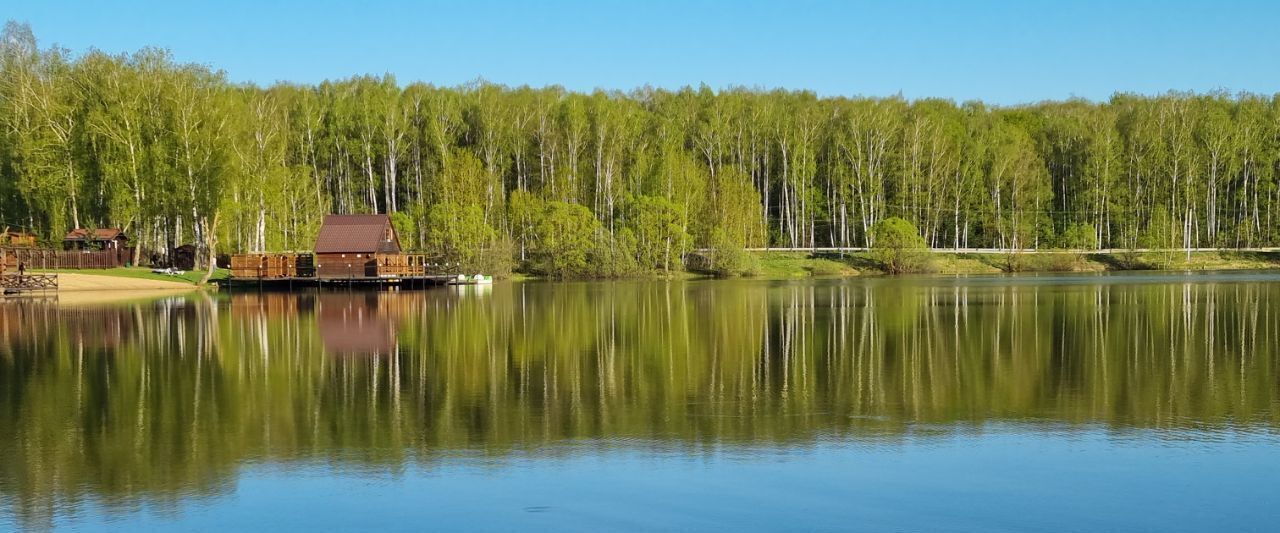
<point x="1000" y="52"/>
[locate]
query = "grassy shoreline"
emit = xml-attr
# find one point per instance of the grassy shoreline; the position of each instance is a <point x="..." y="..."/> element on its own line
<point x="801" y="264"/>
<point x="795" y="265"/>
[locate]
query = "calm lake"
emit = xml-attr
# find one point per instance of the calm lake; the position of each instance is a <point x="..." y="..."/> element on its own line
<point x="1081" y="403"/>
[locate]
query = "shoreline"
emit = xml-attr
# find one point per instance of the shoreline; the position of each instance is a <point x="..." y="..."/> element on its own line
<point x="790" y="265"/>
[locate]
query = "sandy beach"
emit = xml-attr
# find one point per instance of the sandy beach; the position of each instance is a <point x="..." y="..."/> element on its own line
<point x="90" y="282"/>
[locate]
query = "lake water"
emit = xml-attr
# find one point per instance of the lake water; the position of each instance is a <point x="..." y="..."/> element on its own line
<point x="1051" y="403"/>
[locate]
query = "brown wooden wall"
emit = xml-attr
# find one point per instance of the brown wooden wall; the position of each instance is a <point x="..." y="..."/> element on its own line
<point x="270" y="266"/>
<point x="335" y="266"/>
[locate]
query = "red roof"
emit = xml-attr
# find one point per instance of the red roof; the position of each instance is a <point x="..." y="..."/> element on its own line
<point x="101" y="234"/>
<point x="342" y="234"/>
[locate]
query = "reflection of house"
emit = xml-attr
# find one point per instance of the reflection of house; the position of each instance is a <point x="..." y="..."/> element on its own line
<point x="350" y="246"/>
<point x="105" y="327"/>
<point x="96" y="239"/>
<point x="352" y="324"/>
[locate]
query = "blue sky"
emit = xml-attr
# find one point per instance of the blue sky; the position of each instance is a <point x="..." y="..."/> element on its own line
<point x="999" y="52"/>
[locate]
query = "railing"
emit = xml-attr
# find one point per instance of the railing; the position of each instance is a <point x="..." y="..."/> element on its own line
<point x="29" y="282"/>
<point x="411" y="265"/>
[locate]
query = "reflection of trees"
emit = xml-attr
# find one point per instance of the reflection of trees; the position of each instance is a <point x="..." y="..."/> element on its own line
<point x="185" y="393"/>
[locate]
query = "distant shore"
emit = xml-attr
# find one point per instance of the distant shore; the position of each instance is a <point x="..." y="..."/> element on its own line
<point x="782" y="265"/>
<point x="799" y="264"/>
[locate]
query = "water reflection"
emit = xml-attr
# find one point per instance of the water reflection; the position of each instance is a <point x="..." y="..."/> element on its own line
<point x="155" y="402"/>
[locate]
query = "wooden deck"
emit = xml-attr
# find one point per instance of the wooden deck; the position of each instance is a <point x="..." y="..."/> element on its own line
<point x="14" y="283"/>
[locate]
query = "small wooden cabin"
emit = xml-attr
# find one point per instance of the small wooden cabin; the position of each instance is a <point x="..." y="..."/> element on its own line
<point x="96" y="239"/>
<point x="17" y="239"/>
<point x="354" y="246"/>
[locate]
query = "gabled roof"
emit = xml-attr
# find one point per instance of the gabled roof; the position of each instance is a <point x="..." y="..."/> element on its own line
<point x="341" y="234"/>
<point x="100" y="234"/>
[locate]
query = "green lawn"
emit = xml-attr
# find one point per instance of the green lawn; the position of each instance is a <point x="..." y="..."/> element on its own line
<point x="192" y="277"/>
<point x="799" y="265"/>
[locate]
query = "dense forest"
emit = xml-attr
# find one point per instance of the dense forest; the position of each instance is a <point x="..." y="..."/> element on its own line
<point x="611" y="181"/>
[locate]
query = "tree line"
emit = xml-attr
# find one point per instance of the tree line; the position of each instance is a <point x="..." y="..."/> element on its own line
<point x="610" y="182"/>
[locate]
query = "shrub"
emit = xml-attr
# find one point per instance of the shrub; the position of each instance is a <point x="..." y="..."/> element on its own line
<point x="1055" y="262"/>
<point x="899" y="248"/>
<point x="1079" y="237"/>
<point x="728" y="258"/>
<point x="614" y="256"/>
<point x="496" y="260"/>
<point x="826" y="267"/>
<point x="566" y="236"/>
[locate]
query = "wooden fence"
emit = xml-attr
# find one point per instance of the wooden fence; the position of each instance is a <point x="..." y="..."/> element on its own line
<point x="28" y="282"/>
<point x="42" y="259"/>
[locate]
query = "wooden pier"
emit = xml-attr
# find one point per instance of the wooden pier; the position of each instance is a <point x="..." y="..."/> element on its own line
<point x="17" y="284"/>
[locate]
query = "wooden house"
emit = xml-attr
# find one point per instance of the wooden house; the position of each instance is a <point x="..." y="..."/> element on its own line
<point x="17" y="239"/>
<point x="360" y="249"/>
<point x="95" y="239"/>
<point x="356" y="246"/>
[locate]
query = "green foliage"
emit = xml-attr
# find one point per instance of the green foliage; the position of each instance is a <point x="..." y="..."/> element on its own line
<point x="566" y="235"/>
<point x="495" y="259"/>
<point x="1074" y="238"/>
<point x="458" y="233"/>
<point x="899" y="248"/>
<point x="406" y="229"/>
<point x="175" y="153"/>
<point x="614" y="256"/>
<point x="728" y="258"/>
<point x="656" y="233"/>
<point x="731" y="216"/>
<point x="1158" y="239"/>
<point x="1079" y="237"/>
<point x="1046" y="262"/>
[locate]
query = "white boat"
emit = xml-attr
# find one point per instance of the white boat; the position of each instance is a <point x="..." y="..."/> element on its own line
<point x="478" y="279"/>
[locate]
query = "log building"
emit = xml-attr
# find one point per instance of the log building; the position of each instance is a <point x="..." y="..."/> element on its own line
<point x="354" y="246"/>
